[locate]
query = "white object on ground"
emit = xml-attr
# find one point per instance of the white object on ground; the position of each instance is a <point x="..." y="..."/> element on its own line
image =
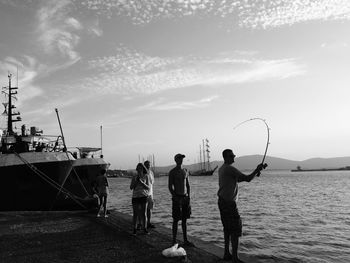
<point x="174" y="251"/>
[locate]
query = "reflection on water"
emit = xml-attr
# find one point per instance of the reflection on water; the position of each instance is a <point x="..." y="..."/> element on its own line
<point x="287" y="217"/>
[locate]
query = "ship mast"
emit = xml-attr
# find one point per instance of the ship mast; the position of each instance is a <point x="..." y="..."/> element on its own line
<point x="101" y="142"/>
<point x="208" y="153"/>
<point x="11" y="92"/>
<point x="203" y="149"/>
<point x="200" y="158"/>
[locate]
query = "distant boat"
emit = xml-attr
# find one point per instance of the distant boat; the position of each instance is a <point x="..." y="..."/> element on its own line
<point x="299" y="169"/>
<point x="204" y="172"/>
<point x="204" y="162"/>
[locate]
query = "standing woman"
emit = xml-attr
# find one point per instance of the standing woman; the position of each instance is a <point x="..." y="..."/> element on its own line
<point x="140" y="184"/>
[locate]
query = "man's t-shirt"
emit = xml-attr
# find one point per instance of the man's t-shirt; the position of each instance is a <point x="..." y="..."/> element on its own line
<point x="229" y="177"/>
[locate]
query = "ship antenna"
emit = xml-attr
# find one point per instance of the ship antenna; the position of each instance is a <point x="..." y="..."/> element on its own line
<point x="101" y="141"/>
<point x="9" y="115"/>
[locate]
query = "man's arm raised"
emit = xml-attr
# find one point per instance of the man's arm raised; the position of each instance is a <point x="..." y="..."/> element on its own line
<point x="248" y="178"/>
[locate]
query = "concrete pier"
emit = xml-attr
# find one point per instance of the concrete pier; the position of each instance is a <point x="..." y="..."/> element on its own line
<point x="81" y="237"/>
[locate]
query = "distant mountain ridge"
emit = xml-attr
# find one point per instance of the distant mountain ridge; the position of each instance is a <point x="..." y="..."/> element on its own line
<point x="249" y="162"/>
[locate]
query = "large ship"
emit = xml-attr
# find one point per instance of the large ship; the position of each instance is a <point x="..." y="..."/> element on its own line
<point x="204" y="161"/>
<point x="37" y="172"/>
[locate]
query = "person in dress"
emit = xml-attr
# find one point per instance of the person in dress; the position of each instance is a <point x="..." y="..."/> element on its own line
<point x="179" y="187"/>
<point x="140" y="184"/>
<point x="229" y="177"/>
<point x="150" y="199"/>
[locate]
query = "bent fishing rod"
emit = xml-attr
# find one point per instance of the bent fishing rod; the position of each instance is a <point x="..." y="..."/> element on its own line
<point x="264" y="165"/>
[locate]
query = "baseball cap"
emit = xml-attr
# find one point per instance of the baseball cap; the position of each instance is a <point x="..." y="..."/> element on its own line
<point x="178" y="156"/>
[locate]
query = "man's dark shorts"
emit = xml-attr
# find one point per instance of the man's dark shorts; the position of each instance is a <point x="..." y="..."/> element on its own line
<point x="181" y="207"/>
<point x="230" y="217"/>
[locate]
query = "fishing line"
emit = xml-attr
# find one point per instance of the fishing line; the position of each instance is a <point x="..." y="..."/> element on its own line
<point x="268" y="136"/>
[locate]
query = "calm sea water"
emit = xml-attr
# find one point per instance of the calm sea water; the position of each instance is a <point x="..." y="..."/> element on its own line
<point x="287" y="217"/>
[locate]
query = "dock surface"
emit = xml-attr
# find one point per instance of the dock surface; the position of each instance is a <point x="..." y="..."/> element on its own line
<point x="81" y="237"/>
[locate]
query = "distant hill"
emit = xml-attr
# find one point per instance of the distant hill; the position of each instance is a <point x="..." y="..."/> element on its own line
<point x="249" y="162"/>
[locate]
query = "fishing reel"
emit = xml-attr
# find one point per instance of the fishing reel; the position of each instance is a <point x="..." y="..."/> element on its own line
<point x="263" y="167"/>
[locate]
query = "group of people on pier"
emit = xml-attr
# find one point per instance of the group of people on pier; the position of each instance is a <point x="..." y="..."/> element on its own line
<point x="180" y="190"/>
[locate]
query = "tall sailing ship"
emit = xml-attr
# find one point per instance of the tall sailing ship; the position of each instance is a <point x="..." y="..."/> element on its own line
<point x="204" y="162"/>
<point x="37" y="171"/>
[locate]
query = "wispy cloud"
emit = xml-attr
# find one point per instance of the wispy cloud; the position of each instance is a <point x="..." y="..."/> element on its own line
<point x="57" y="30"/>
<point x="28" y="68"/>
<point x="131" y="72"/>
<point x="160" y="105"/>
<point x="247" y="13"/>
<point x="278" y="13"/>
<point x="30" y="71"/>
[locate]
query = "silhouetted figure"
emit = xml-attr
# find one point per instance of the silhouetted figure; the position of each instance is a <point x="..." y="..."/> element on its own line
<point x="150" y="199"/>
<point x="40" y="147"/>
<point x="179" y="188"/>
<point x="140" y="186"/>
<point x="102" y="191"/>
<point x="229" y="177"/>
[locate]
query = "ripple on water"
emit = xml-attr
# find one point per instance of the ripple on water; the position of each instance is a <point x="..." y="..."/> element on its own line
<point x="287" y="217"/>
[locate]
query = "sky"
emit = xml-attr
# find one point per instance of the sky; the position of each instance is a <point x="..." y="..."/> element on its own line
<point x="161" y="76"/>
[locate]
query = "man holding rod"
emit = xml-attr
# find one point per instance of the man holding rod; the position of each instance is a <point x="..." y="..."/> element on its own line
<point x="229" y="177"/>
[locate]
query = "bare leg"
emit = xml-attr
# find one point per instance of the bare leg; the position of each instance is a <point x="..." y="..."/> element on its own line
<point x="100" y="200"/>
<point x="104" y="205"/>
<point x="235" y="241"/>
<point x="143" y="210"/>
<point x="227" y="254"/>
<point x="175" y="223"/>
<point x="134" y="217"/>
<point x="184" y="229"/>
<point x="149" y="215"/>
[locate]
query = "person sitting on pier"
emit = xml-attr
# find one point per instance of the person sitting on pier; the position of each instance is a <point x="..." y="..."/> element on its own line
<point x="229" y="177"/>
<point x="179" y="188"/>
<point x="140" y="184"/>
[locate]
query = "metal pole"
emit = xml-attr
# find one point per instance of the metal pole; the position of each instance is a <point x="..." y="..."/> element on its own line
<point x="101" y="141"/>
<point x="9" y="114"/>
<point x="200" y="158"/>
<point x="59" y="122"/>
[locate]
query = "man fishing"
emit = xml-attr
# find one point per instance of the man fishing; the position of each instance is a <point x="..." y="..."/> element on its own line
<point x="229" y="177"/>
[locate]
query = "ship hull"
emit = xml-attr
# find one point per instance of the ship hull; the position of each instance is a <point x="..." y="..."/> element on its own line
<point x="25" y="187"/>
<point x="82" y="177"/>
<point x="24" y="181"/>
<point x="204" y="172"/>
